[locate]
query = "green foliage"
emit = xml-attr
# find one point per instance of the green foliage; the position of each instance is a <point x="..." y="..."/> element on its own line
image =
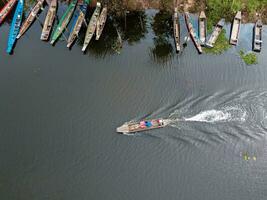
<point x="221" y="45"/>
<point x="249" y="58"/>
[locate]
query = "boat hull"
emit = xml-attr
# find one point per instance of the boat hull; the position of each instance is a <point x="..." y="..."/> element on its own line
<point x="257" y="36"/>
<point x="235" y="29"/>
<point x="101" y="22"/>
<point x="202" y="26"/>
<point x="215" y="33"/>
<point x="176" y="30"/>
<point x="6" y="10"/>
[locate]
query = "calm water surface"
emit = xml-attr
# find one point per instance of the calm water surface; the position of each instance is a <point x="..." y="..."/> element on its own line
<point x="59" y="111"/>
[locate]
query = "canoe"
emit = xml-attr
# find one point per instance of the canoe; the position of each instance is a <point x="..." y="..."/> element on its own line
<point x="192" y="32"/>
<point x="64" y="21"/>
<point x="7" y="9"/>
<point x="101" y="22"/>
<point x="91" y="26"/>
<point x="31" y="17"/>
<point x="235" y="29"/>
<point x="15" y="26"/>
<point x="215" y="33"/>
<point x="202" y="28"/>
<point x="132" y="128"/>
<point x="176" y="29"/>
<point x="49" y="20"/>
<point x="257" y="36"/>
<point x="78" y="20"/>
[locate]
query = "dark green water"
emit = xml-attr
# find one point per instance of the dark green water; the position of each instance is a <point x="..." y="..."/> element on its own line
<point x="59" y="111"/>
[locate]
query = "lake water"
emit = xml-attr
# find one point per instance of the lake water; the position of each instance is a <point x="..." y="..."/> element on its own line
<point x="60" y="108"/>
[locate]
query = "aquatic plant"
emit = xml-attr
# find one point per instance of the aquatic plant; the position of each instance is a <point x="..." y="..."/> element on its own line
<point x="249" y="58"/>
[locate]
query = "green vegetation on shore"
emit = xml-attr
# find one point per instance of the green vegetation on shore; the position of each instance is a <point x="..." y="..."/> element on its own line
<point x="249" y="58"/>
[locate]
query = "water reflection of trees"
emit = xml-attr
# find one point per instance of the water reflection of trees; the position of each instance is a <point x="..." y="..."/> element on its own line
<point x="162" y="27"/>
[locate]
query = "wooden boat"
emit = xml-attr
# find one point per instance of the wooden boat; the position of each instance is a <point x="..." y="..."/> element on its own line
<point x="202" y="28"/>
<point x="31" y="17"/>
<point x="15" y="26"/>
<point x="79" y="18"/>
<point x="7" y="9"/>
<point x="92" y="26"/>
<point x="49" y="20"/>
<point x="257" y="36"/>
<point x="134" y="127"/>
<point x="215" y="33"/>
<point x="64" y="21"/>
<point x="101" y="22"/>
<point x="176" y="29"/>
<point x="235" y="29"/>
<point x="192" y="32"/>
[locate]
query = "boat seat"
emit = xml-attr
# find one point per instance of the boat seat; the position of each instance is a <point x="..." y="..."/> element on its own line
<point x="258" y="41"/>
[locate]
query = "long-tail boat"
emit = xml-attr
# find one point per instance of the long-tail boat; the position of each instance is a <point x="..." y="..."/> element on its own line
<point x="15" y="26"/>
<point x="132" y="128"/>
<point x="257" y="36"/>
<point x="91" y="26"/>
<point x="176" y="29"/>
<point x="192" y="32"/>
<point x="101" y="22"/>
<point x="31" y="17"/>
<point x="79" y="18"/>
<point x="7" y="9"/>
<point x="202" y="28"/>
<point x="215" y="33"/>
<point x="49" y="20"/>
<point x="64" y="21"/>
<point x="235" y="29"/>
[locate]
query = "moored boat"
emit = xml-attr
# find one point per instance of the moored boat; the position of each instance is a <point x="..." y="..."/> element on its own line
<point x="49" y="20"/>
<point x="77" y="23"/>
<point x="64" y="21"/>
<point x="215" y="33"/>
<point x="31" y="17"/>
<point x="91" y="26"/>
<point x="7" y="9"/>
<point x="145" y="125"/>
<point x="192" y="32"/>
<point x="235" y="29"/>
<point x="101" y="22"/>
<point x="257" y="36"/>
<point x="15" y="26"/>
<point x="202" y="28"/>
<point x="176" y="29"/>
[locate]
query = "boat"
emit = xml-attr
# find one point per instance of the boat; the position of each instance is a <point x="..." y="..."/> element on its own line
<point x="257" y="36"/>
<point x="79" y="18"/>
<point x="176" y="29"/>
<point x="64" y="21"/>
<point x="91" y="26"/>
<point x="31" y="17"/>
<point x="192" y="32"/>
<point x="101" y="22"/>
<point x="133" y="127"/>
<point x="49" y="20"/>
<point x="7" y="9"/>
<point x="202" y="28"/>
<point x="235" y="29"/>
<point x="15" y="26"/>
<point x="215" y="33"/>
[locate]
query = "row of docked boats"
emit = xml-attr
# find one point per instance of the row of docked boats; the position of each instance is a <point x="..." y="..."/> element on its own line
<point x="76" y="10"/>
<point x="199" y="37"/>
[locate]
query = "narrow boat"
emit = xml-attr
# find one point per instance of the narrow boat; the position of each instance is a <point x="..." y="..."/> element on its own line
<point x="64" y="21"/>
<point x="91" y="26"/>
<point x="257" y="36"/>
<point x="145" y="125"/>
<point x="31" y="17"/>
<point x="49" y="20"/>
<point x="235" y="29"/>
<point x="15" y="26"/>
<point x="7" y="9"/>
<point x="79" y="18"/>
<point x="202" y="28"/>
<point x="101" y="22"/>
<point x="215" y="33"/>
<point x="176" y="29"/>
<point x="192" y="32"/>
